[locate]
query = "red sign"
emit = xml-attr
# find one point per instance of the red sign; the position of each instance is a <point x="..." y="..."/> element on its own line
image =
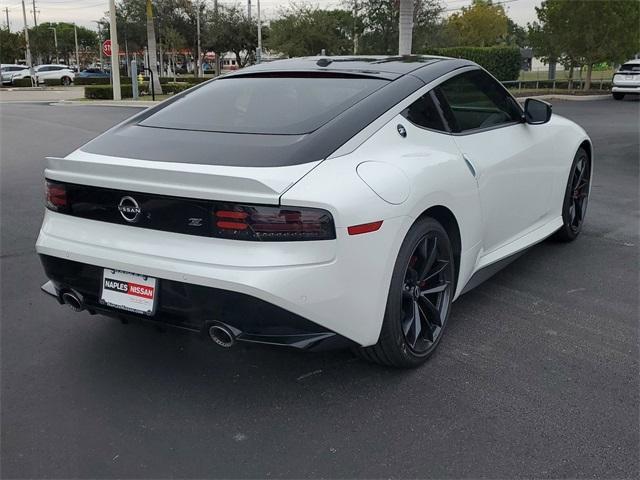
<point x="106" y="48"/>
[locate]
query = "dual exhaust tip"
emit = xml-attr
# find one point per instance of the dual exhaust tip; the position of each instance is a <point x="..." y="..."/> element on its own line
<point x="73" y="301"/>
<point x="221" y="334"/>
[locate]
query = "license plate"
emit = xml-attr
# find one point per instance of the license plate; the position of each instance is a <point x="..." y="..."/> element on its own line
<point x="128" y="291"/>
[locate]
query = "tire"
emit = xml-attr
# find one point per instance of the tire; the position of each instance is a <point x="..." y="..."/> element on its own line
<point x="618" y="96"/>
<point x="407" y="341"/>
<point x="576" y="197"/>
<point x="66" y="81"/>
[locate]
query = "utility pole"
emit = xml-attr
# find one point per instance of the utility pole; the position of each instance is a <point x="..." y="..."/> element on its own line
<point x="35" y="18"/>
<point x="6" y="11"/>
<point x="75" y="35"/>
<point x="249" y="10"/>
<point x="115" y="58"/>
<point x="259" y="49"/>
<point x="199" y="62"/>
<point x="26" y="39"/>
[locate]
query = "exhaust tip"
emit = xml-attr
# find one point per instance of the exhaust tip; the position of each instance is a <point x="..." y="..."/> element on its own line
<point x="72" y="301"/>
<point x="221" y="335"/>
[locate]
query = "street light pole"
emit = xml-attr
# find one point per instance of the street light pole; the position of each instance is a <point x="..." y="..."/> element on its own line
<point x="26" y="39"/>
<point x="199" y="62"/>
<point x="259" y="49"/>
<point x="115" y="58"/>
<point x="35" y="14"/>
<point x="55" y="42"/>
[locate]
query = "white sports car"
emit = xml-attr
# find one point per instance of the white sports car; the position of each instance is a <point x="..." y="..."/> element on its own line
<point x="313" y="202"/>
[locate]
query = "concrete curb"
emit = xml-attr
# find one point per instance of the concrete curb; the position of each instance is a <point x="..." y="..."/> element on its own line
<point x="107" y="103"/>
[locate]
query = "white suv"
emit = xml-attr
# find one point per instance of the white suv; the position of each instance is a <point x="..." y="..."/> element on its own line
<point x="626" y="79"/>
<point x="63" y="73"/>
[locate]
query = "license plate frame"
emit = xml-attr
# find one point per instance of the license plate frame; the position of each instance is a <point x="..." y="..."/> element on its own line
<point x="129" y="292"/>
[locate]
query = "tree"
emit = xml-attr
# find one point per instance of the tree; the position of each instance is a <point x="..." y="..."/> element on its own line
<point x="229" y="30"/>
<point x="483" y="24"/>
<point x="304" y="30"/>
<point x="379" y="23"/>
<point x="516" y="35"/>
<point x="173" y="41"/>
<point x="586" y="32"/>
<point x="11" y="46"/>
<point x="42" y="44"/>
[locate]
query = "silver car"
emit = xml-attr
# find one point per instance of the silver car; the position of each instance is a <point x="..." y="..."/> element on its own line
<point x="8" y="70"/>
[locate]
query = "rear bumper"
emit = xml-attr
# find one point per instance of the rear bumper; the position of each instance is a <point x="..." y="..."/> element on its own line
<point x="195" y="308"/>
<point x="339" y="285"/>
<point x="626" y="88"/>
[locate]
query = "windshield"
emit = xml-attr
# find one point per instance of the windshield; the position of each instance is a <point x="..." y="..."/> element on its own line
<point x="268" y="105"/>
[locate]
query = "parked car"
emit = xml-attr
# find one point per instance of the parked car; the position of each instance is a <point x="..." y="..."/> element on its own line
<point x="94" y="73"/>
<point x="323" y="202"/>
<point x="626" y="80"/>
<point x="63" y="73"/>
<point x="7" y="71"/>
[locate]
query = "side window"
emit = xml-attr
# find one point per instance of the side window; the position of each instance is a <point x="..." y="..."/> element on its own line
<point x="424" y="113"/>
<point x="44" y="69"/>
<point x="476" y="100"/>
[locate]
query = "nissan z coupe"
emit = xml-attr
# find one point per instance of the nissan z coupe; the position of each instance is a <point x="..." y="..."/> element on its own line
<point x="313" y="203"/>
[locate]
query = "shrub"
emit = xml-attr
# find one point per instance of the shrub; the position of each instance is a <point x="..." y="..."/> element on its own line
<point x="105" y="92"/>
<point x="175" y="87"/>
<point x="503" y="62"/>
<point x="22" y="82"/>
<point x="52" y="82"/>
<point x="92" y="81"/>
<point x="196" y="80"/>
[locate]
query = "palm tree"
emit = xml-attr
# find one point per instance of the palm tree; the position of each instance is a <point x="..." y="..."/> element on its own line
<point x="151" y="42"/>
<point x="405" y="27"/>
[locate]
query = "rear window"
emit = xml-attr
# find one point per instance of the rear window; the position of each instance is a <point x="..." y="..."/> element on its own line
<point x="269" y="105"/>
<point x="630" y="67"/>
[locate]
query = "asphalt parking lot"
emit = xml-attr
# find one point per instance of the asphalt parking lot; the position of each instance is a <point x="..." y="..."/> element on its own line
<point x="537" y="375"/>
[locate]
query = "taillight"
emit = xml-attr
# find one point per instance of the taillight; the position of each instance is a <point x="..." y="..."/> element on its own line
<point x="265" y="223"/>
<point x="56" y="195"/>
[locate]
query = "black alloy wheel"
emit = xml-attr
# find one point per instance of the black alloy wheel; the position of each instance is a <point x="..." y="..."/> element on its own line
<point x="419" y="301"/>
<point x="576" y="197"/>
<point x="66" y="81"/>
<point x="426" y="293"/>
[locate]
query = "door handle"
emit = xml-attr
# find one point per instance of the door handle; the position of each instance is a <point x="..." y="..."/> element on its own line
<point x="470" y="165"/>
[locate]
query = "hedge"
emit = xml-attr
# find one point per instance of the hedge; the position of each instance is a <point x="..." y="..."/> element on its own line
<point x="22" y="82"/>
<point x="92" y="81"/>
<point x="175" y="87"/>
<point x="105" y="92"/>
<point x="52" y="82"/>
<point x="503" y="62"/>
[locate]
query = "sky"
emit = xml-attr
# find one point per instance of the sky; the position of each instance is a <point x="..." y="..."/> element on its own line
<point x="84" y="12"/>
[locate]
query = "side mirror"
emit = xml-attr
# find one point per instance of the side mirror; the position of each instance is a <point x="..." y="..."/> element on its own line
<point x="536" y="112"/>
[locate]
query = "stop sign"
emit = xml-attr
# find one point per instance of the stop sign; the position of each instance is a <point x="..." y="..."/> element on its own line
<point x="106" y="47"/>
